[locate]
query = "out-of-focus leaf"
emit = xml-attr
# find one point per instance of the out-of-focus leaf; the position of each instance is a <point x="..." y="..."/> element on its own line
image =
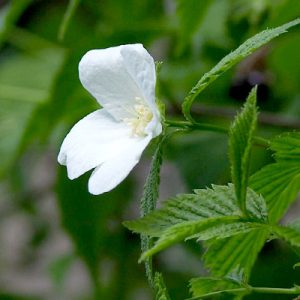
<point x="190" y="14"/>
<point x="240" y="143"/>
<point x="59" y="268"/>
<point x="87" y="218"/>
<point x="72" y="6"/>
<point x="25" y="86"/>
<point x="9" y="14"/>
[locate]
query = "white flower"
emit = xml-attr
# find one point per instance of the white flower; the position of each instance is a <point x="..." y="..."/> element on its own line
<point x="111" y="140"/>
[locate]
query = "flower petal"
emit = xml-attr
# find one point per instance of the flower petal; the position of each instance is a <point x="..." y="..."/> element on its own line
<point x="108" y="175"/>
<point x="93" y="140"/>
<point x="141" y="67"/>
<point x="116" y="76"/>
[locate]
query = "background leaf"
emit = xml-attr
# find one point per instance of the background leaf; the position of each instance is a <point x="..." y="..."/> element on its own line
<point x="190" y="14"/>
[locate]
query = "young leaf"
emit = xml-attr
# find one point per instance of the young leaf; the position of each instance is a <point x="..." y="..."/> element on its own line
<point x="240" y="142"/>
<point x="231" y="59"/>
<point x="161" y="292"/>
<point x="148" y="203"/>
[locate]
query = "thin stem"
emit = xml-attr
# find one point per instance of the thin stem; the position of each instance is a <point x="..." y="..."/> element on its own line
<point x="250" y="289"/>
<point x="210" y="127"/>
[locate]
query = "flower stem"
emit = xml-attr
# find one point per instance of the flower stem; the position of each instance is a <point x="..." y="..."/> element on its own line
<point x="210" y="127"/>
<point x="249" y="289"/>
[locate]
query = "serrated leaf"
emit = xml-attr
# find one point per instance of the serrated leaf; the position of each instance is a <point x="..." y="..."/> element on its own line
<point x="161" y="292"/>
<point x="290" y="235"/>
<point x="207" y="203"/>
<point x="206" y="229"/>
<point x="235" y="253"/>
<point x="279" y="182"/>
<point x="207" y="214"/>
<point x="240" y="142"/>
<point x="231" y="59"/>
<point x="287" y="147"/>
<point x="205" y="286"/>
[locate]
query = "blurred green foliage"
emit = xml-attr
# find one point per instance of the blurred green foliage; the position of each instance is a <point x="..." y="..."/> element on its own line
<point x="41" y="98"/>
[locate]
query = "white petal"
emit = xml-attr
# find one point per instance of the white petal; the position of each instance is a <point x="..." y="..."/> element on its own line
<point x="93" y="140"/>
<point x="116" y="76"/>
<point x="140" y="65"/>
<point x="108" y="175"/>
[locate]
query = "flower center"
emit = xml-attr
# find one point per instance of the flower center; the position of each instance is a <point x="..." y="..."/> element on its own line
<point x="142" y="115"/>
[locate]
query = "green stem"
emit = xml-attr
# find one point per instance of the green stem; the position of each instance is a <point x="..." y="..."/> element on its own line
<point x="210" y="127"/>
<point x="250" y="289"/>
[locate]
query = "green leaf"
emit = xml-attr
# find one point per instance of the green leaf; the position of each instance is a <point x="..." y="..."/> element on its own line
<point x="148" y="202"/>
<point x="207" y="203"/>
<point x="234" y="253"/>
<point x="287" y="147"/>
<point x="240" y="142"/>
<point x="290" y="235"/>
<point x="207" y="214"/>
<point x="279" y="182"/>
<point x="231" y="59"/>
<point x="206" y="229"/>
<point x="190" y="14"/>
<point x="72" y="6"/>
<point x="206" y="286"/>
<point x="9" y="15"/>
<point x="21" y="95"/>
<point x="297" y="265"/>
<point x="161" y="292"/>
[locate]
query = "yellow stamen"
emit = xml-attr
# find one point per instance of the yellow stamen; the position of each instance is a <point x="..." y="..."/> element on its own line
<point x="142" y="116"/>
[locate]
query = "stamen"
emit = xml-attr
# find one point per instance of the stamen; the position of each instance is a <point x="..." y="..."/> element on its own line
<point x="142" y="116"/>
